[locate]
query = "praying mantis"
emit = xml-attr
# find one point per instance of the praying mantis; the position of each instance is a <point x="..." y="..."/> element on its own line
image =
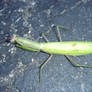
<point x="73" y="48"/>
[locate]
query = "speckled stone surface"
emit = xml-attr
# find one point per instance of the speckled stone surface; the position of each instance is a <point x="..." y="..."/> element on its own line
<point x="19" y="69"/>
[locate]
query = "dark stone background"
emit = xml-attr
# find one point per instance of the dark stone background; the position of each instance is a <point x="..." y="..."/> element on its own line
<point x="19" y="69"/>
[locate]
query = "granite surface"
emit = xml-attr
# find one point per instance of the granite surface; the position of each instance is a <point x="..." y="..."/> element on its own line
<point x="19" y="69"/>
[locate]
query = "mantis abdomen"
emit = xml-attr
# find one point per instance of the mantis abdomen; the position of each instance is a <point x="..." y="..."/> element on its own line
<point x="67" y="48"/>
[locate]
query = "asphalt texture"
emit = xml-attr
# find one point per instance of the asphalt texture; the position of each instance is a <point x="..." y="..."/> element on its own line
<point x="19" y="69"/>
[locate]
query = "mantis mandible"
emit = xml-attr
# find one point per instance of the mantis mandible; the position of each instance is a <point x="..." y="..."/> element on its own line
<point x="73" y="48"/>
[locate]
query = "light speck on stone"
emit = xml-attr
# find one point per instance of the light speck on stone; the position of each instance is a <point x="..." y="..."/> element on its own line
<point x="20" y="10"/>
<point x="41" y="25"/>
<point x="11" y="75"/>
<point x="3" y="23"/>
<point x="32" y="59"/>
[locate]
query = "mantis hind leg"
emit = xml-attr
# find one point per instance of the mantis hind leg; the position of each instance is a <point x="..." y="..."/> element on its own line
<point x="69" y="58"/>
<point x="76" y="64"/>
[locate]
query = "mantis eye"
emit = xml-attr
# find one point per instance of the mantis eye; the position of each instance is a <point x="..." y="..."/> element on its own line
<point x="13" y="38"/>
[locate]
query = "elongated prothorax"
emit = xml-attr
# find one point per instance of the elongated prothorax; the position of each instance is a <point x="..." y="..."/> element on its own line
<point x="25" y="43"/>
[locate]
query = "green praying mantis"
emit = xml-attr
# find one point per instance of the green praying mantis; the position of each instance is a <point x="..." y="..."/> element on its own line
<point x="73" y="48"/>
